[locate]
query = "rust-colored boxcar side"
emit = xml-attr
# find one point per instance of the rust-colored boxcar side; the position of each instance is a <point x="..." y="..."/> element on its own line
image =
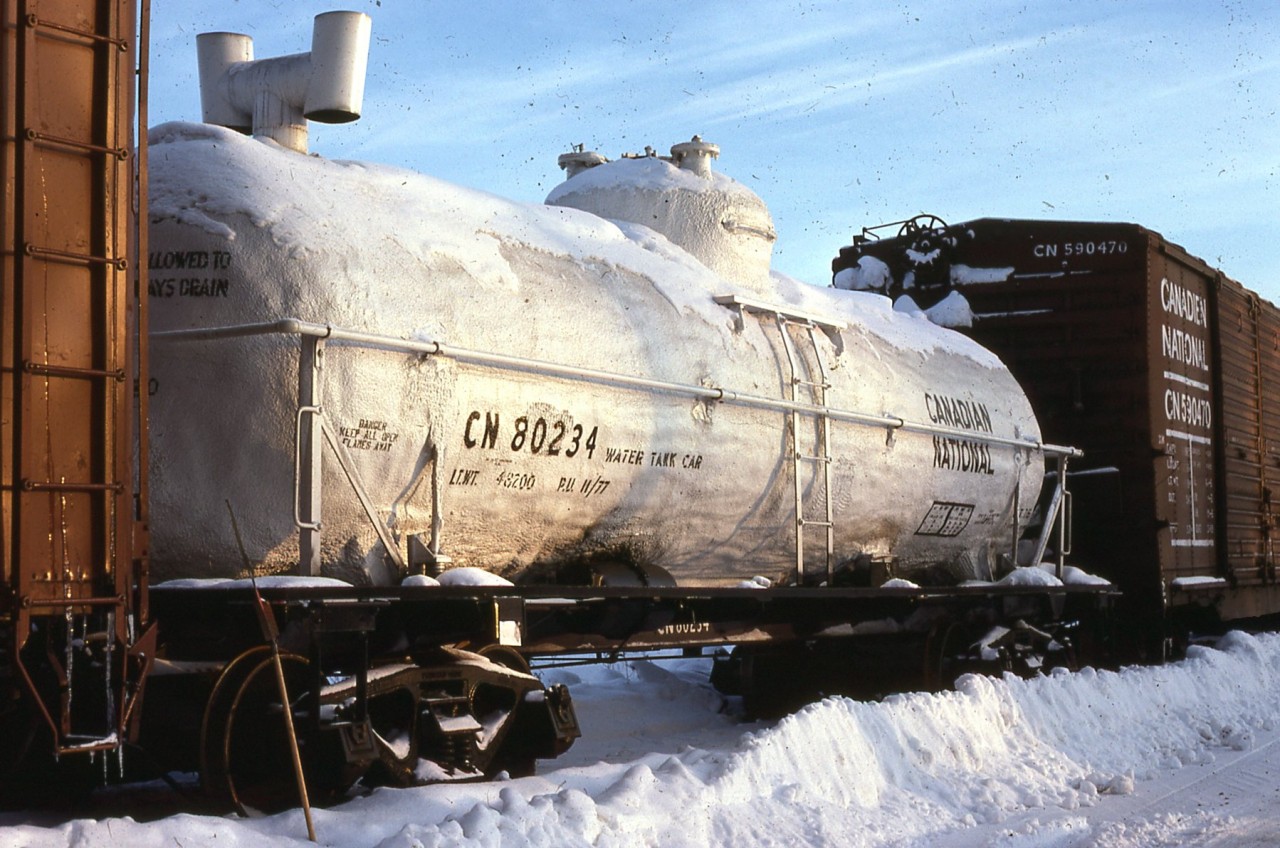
<point x="1248" y="346"/>
<point x="1155" y="364"/>
<point x="68" y="518"/>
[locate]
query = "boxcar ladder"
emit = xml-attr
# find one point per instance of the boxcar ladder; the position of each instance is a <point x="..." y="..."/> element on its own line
<point x="66" y="472"/>
<point x="807" y="375"/>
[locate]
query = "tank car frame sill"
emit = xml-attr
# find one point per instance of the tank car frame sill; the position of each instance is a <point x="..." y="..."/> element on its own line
<point x="547" y="620"/>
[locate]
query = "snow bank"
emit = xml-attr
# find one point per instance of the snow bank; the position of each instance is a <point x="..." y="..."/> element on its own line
<point x="905" y="771"/>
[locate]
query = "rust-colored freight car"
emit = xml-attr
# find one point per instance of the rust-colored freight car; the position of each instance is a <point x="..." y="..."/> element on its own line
<point x="70" y="655"/>
<point x="1163" y="370"/>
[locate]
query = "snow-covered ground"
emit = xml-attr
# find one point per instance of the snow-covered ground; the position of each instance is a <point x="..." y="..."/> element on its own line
<point x="1185" y="754"/>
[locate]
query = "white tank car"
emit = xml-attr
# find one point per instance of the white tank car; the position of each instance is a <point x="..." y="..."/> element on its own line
<point x="638" y="406"/>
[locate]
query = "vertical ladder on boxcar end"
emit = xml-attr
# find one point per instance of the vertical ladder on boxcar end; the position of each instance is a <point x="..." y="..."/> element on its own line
<point x="66" y="355"/>
<point x="1266" y="562"/>
<point x="807" y="374"/>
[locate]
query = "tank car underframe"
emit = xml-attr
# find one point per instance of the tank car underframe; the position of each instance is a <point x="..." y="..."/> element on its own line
<point x="214" y="623"/>
<point x="415" y="684"/>
<point x="380" y="690"/>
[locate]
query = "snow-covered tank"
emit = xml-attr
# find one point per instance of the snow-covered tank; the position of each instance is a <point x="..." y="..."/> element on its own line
<point x="568" y="387"/>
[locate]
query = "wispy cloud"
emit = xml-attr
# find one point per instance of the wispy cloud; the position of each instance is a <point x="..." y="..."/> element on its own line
<point x="839" y="114"/>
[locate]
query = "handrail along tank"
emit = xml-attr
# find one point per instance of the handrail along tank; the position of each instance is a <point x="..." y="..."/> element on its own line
<point x="642" y="410"/>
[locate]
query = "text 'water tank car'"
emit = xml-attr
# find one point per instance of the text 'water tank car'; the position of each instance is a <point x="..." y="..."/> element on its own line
<point x="535" y="385"/>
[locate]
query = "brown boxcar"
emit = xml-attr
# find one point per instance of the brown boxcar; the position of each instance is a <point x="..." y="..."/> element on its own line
<point x="1162" y="369"/>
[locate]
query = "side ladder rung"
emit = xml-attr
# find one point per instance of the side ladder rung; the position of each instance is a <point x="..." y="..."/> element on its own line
<point x="806" y="522"/>
<point x="36" y="22"/>
<point x="121" y="153"/>
<point x="41" y="369"/>
<point x="55" y="255"/>
<point x="29" y="485"/>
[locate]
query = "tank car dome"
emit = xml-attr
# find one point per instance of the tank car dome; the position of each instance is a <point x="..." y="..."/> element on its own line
<point x="721" y="222"/>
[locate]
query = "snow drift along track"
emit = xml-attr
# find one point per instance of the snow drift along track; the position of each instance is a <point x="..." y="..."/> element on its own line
<point x="1000" y="762"/>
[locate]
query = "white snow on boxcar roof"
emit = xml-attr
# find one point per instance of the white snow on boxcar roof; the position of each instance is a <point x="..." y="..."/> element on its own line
<point x="203" y="176"/>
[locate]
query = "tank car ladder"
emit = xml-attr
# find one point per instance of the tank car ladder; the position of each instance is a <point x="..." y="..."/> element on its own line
<point x="817" y="388"/>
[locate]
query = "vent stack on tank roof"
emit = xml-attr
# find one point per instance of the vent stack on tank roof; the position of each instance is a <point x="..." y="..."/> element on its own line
<point x="274" y="98"/>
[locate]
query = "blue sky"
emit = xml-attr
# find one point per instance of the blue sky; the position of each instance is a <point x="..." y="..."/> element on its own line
<point x="838" y="115"/>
